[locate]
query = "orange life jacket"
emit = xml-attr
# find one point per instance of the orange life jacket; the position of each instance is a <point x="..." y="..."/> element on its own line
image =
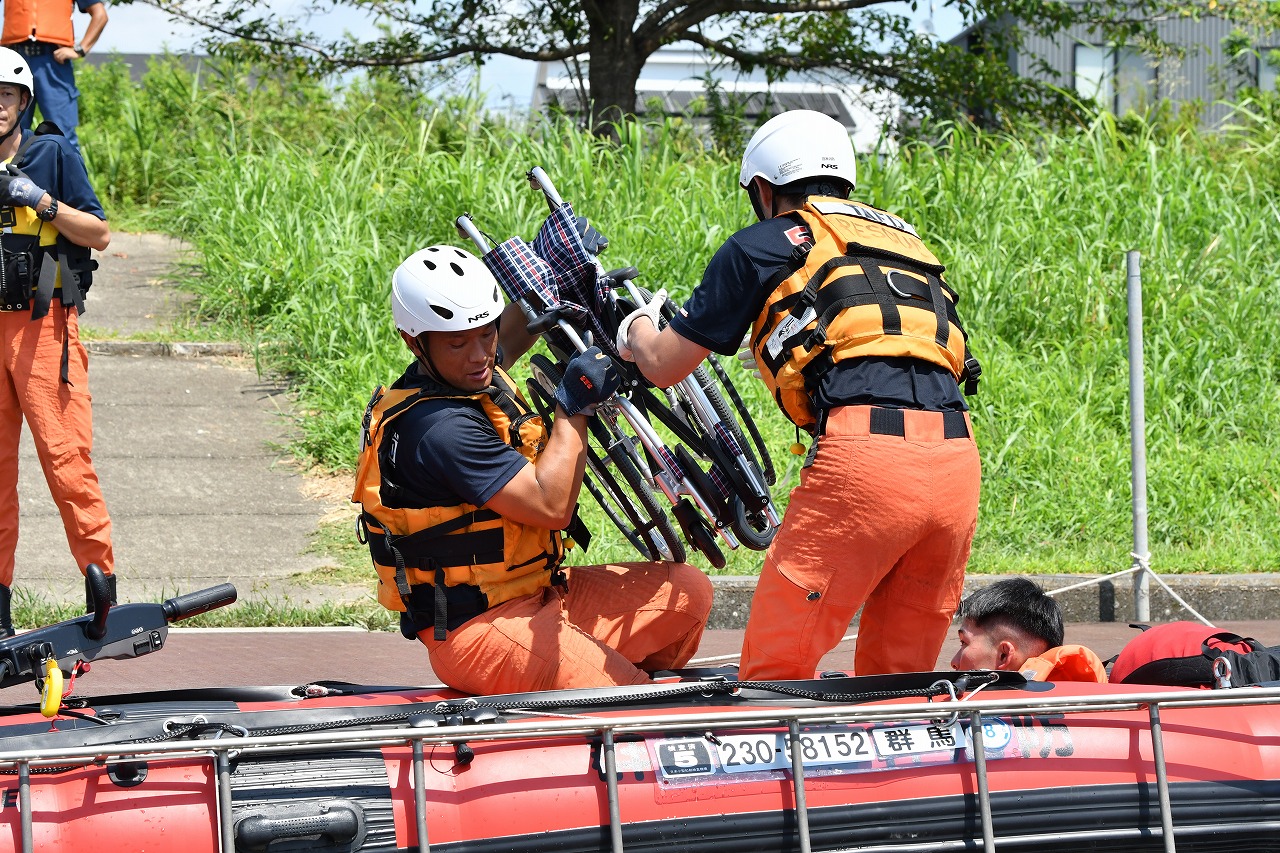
<point x="38" y="20"/>
<point x="461" y="559"/>
<point x="865" y="286"/>
<point x="1065" y="663"/>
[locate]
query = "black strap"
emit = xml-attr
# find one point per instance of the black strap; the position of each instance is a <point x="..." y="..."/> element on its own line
<point x="890" y="318"/>
<point x="954" y="425"/>
<point x="441" y="620"/>
<point x="578" y="532"/>
<point x="44" y="285"/>
<point x="63" y="373"/>
<point x="893" y="422"/>
<point x="888" y="422"/>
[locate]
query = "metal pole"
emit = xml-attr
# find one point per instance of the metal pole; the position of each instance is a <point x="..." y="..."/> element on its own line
<point x="420" y="796"/>
<point x="984" y="786"/>
<point x="1138" y="444"/>
<point x="611" y="780"/>
<point x="1162" y="780"/>
<point x="797" y="777"/>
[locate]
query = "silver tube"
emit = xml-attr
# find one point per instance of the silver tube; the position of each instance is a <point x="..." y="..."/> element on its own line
<point x="797" y="778"/>
<point x="223" y="774"/>
<point x="1138" y="443"/>
<point x="24" y="806"/>
<point x="984" y="791"/>
<point x="420" y="797"/>
<point x="1162" y="780"/>
<point x="610" y="759"/>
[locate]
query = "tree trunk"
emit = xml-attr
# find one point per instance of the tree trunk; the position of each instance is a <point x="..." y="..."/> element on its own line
<point x="616" y="59"/>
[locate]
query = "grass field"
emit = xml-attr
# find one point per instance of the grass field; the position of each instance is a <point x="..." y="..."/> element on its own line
<point x="302" y="204"/>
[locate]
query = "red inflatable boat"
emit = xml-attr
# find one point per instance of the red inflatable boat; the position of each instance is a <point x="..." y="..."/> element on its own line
<point x="698" y="762"/>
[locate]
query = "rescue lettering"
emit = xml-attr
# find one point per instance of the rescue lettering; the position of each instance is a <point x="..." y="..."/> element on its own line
<point x="868" y="214"/>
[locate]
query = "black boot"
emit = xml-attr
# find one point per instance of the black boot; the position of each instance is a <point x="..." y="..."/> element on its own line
<point x="104" y="584"/>
<point x="6" y="620"/>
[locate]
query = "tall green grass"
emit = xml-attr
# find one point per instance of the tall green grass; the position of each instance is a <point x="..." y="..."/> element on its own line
<point x="302" y="203"/>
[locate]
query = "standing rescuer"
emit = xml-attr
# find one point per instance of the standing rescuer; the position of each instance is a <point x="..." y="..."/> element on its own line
<point x="51" y="218"/>
<point x="855" y="333"/>
<point x="466" y="500"/>
<point x="43" y="32"/>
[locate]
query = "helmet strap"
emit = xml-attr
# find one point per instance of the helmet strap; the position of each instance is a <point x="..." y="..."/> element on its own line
<point x="17" y="122"/>
<point x="757" y="204"/>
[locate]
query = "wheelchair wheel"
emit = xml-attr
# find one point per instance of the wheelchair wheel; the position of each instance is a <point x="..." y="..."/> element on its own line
<point x="613" y="477"/>
<point x="752" y="528"/>
<point x="757" y="451"/>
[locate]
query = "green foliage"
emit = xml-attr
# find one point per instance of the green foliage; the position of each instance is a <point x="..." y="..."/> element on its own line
<point x="300" y="231"/>
<point x="874" y="41"/>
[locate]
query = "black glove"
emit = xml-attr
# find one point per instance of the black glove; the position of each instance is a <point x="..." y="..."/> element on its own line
<point x="17" y="190"/>
<point x="592" y="240"/>
<point x="589" y="379"/>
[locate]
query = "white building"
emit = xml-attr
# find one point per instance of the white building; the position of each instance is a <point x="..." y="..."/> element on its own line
<point x="674" y="79"/>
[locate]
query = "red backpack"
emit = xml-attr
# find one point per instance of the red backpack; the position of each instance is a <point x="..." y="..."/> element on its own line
<point x="1182" y="654"/>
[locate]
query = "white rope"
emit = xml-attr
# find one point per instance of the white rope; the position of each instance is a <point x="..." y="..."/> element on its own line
<point x="724" y="658"/>
<point x="1178" y="599"/>
<point x="1092" y="581"/>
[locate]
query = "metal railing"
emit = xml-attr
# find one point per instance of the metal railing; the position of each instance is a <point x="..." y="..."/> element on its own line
<point x="219" y="752"/>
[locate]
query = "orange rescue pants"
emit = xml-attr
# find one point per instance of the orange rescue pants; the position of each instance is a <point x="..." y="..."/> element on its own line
<point x="881" y="520"/>
<point x="615" y="624"/>
<point x="61" y="422"/>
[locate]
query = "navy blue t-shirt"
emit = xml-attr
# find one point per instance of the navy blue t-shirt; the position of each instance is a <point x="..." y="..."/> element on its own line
<point x="53" y="163"/>
<point x="733" y="291"/>
<point x="442" y="452"/>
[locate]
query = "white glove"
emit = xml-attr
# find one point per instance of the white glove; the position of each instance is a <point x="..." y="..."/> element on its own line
<point x="653" y="311"/>
<point x="747" y="358"/>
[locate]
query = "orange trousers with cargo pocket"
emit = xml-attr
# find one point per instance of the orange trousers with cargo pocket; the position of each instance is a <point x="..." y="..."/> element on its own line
<point x="60" y="418"/>
<point x="614" y="626"/>
<point x="880" y="520"/>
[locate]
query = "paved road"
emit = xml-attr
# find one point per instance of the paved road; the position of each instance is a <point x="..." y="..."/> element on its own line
<point x="227" y="658"/>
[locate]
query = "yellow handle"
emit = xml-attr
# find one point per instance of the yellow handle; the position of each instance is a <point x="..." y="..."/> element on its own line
<point x="51" y="695"/>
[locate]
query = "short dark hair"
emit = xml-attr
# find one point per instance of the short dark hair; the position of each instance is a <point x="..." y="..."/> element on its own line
<point x="798" y="191"/>
<point x="1017" y="602"/>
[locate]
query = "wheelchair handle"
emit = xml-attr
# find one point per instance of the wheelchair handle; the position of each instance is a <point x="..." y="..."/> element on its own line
<point x="539" y="180"/>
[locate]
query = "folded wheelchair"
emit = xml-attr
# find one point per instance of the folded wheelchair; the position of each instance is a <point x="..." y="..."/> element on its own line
<point x="688" y="443"/>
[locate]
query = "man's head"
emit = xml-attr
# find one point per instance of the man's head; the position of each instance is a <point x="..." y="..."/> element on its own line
<point x="16" y="86"/>
<point x="446" y="305"/>
<point x="1003" y="624"/>
<point x="793" y="155"/>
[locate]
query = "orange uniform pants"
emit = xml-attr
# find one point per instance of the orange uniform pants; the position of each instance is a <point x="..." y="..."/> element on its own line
<point x="615" y="624"/>
<point x="881" y="520"/>
<point x="61" y="422"/>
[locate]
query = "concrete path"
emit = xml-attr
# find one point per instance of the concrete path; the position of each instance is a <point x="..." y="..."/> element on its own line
<point x="189" y="450"/>
<point x="224" y="657"/>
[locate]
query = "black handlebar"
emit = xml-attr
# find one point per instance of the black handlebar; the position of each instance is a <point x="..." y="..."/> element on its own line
<point x="195" y="603"/>
<point x="112" y="632"/>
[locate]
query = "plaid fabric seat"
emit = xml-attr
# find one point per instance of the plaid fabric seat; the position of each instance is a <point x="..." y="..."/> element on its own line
<point x="556" y="270"/>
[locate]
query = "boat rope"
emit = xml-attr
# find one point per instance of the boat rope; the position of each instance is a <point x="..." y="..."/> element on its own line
<point x="701" y="688"/>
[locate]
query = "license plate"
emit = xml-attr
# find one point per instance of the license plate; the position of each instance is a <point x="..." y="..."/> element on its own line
<point x="827" y="747"/>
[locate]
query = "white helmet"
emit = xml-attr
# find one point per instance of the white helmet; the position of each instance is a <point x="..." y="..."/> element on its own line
<point x="799" y="144"/>
<point x="443" y="289"/>
<point x="15" y="71"/>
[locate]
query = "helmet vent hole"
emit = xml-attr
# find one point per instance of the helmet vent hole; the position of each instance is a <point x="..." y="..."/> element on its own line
<point x="457" y="270"/>
<point x="443" y="312"/>
<point x="495" y="294"/>
<point x="431" y="265"/>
